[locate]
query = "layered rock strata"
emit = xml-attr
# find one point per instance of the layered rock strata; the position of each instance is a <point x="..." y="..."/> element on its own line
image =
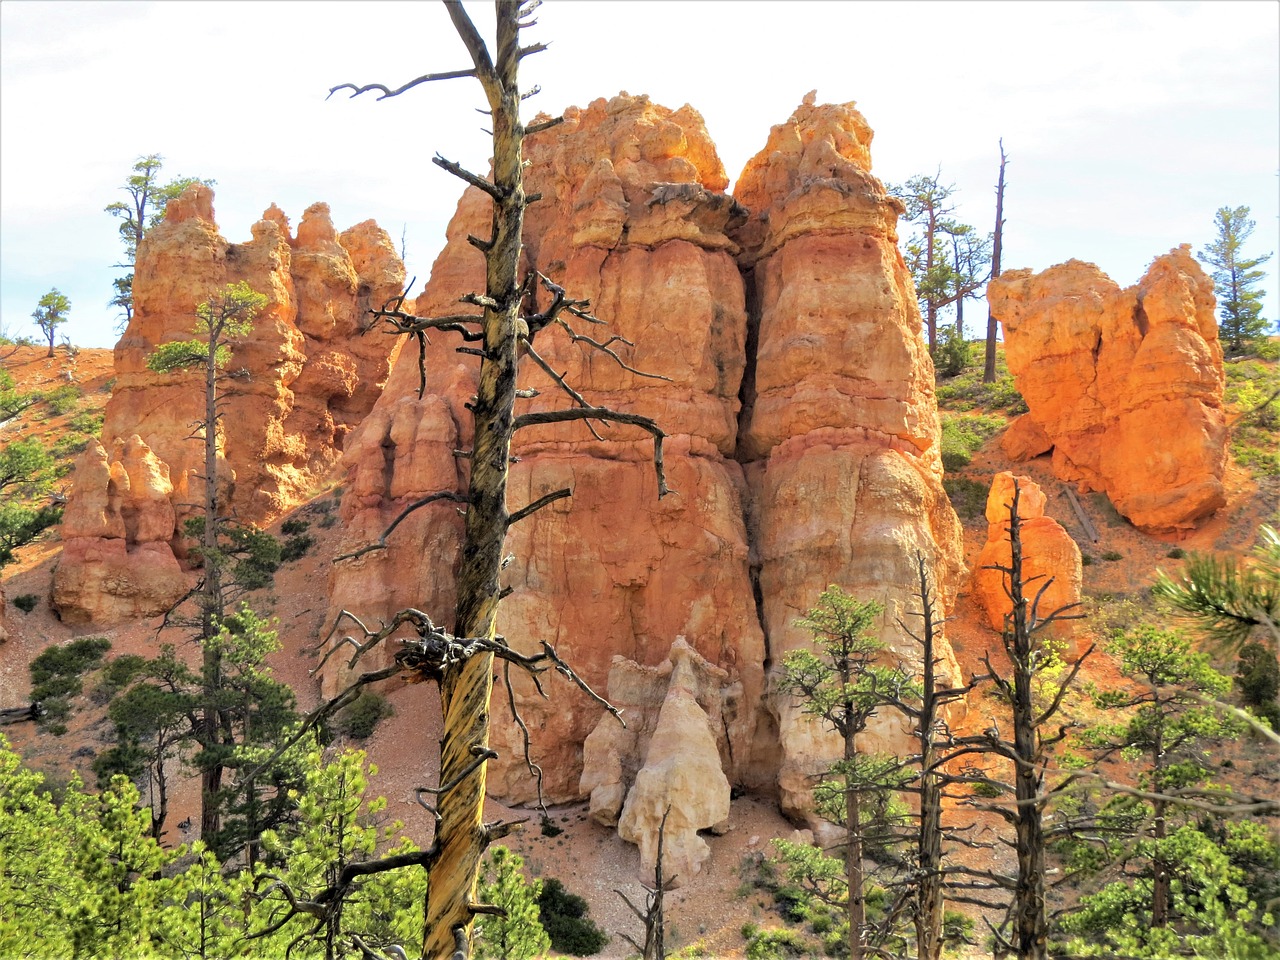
<point x="1050" y="557"/>
<point x="305" y="377"/>
<point x="840" y="428"/>
<point x="1126" y="385"/>
<point x="831" y="473"/>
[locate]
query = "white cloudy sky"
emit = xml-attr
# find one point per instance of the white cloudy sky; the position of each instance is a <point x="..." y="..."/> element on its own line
<point x="1127" y="124"/>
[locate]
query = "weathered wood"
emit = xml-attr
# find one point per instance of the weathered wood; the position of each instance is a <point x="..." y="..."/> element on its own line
<point x="1090" y="530"/>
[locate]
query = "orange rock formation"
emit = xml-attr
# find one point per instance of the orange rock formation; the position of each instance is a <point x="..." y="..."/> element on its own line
<point x="823" y="467"/>
<point x="1050" y="558"/>
<point x="310" y="378"/>
<point x="1107" y="372"/>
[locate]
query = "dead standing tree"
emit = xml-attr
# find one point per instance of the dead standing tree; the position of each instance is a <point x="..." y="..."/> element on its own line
<point x="462" y="665"/>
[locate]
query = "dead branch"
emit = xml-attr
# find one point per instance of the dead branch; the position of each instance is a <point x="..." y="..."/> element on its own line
<point x="537" y="505"/>
<point x="611" y="416"/>
<point x="477" y="181"/>
<point x="381" y="542"/>
<point x="387" y="92"/>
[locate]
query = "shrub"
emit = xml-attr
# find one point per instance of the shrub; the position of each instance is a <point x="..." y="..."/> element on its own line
<point x="957" y="929"/>
<point x="359" y="718"/>
<point x="294" y="526"/>
<point x="564" y="917"/>
<point x="1177" y="553"/>
<point x="87" y="422"/>
<point x="1112" y="556"/>
<point x="57" y="675"/>
<point x="295" y="548"/>
<point x="26" y="602"/>
<point x="953" y="355"/>
<point x="968" y="497"/>
<point x="962" y="436"/>
<point x="1258" y="679"/>
<point x="63" y="399"/>
<point x="776" y="945"/>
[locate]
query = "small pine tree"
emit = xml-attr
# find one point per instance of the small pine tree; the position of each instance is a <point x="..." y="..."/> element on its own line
<point x="1235" y="279"/>
<point x="518" y="935"/>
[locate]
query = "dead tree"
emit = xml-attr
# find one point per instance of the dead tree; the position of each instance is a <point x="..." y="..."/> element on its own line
<point x="1033" y="715"/>
<point x="500" y="333"/>
<point x="989" y="370"/>
<point x="652" y="916"/>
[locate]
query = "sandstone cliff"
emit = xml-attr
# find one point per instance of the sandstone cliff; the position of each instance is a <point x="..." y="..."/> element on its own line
<point x="803" y="443"/>
<point x="309" y="378"/>
<point x="1106" y="372"/>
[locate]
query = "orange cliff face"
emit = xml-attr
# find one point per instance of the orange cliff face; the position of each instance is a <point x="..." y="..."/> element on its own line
<point x="803" y="445"/>
<point x="310" y="379"/>
<point x="1124" y="385"/>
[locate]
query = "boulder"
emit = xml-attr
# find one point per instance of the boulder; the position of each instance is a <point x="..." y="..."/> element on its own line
<point x="1126" y="384"/>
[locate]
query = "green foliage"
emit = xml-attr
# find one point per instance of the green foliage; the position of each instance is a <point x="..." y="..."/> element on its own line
<point x="968" y="496"/>
<point x="57" y="675"/>
<point x="220" y="320"/>
<point x="147" y="202"/>
<point x="1258" y="680"/>
<point x="954" y="354"/>
<point x="12" y="402"/>
<point x="519" y="934"/>
<point x="1235" y="279"/>
<point x="87" y="422"/>
<point x="1211" y="906"/>
<point x="1225" y="597"/>
<point x="20" y="525"/>
<point x="1111" y="556"/>
<point x="26" y="602"/>
<point x="294" y="526"/>
<point x="50" y="313"/>
<point x="337" y="825"/>
<point x="564" y="917"/>
<point x="25" y="467"/>
<point x="358" y="719"/>
<point x="967" y="392"/>
<point x="62" y="400"/>
<point x="295" y="548"/>
<point x="777" y="944"/>
<point x="248" y="557"/>
<point x="962" y="436"/>
<point x="957" y="929"/>
<point x="1253" y="390"/>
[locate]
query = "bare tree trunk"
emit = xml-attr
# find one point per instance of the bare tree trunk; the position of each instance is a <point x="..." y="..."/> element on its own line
<point x="1030" y="924"/>
<point x="465" y="688"/>
<point x="989" y="371"/>
<point x="929" y="902"/>
<point x="857" y="907"/>
<point x="211" y="601"/>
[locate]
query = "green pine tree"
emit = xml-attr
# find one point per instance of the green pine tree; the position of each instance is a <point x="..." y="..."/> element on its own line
<point x="1235" y="279"/>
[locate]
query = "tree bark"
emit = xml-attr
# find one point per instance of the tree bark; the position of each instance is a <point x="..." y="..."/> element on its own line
<point x="211" y="602"/>
<point x="857" y="907"/>
<point x="929" y="851"/>
<point x="989" y="371"/>
<point x="1030" y="923"/>
<point x="466" y="687"/>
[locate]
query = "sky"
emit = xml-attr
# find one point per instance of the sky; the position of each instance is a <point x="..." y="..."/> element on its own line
<point x="1127" y="124"/>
